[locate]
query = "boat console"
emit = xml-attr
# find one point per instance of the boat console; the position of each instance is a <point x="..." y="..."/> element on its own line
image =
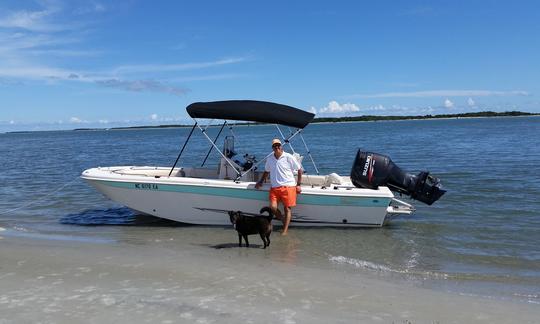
<point x="371" y="170"/>
<point x="229" y="168"/>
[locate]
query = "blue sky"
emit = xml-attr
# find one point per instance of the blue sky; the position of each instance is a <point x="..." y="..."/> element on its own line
<point x="68" y="64"/>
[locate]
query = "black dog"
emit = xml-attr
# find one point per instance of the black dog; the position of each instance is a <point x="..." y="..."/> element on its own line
<point x="247" y="225"/>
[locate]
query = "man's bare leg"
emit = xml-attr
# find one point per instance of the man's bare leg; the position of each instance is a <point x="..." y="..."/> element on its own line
<point x="286" y="220"/>
<point x="275" y="210"/>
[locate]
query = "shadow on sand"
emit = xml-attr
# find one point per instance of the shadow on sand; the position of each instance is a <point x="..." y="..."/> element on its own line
<point x="234" y="245"/>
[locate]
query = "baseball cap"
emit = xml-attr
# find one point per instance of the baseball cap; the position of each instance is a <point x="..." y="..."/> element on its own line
<point x="276" y="141"/>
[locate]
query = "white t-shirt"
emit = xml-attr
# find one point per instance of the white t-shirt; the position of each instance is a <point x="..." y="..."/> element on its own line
<point x="282" y="169"/>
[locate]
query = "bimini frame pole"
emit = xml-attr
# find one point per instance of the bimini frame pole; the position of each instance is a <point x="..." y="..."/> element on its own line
<point x="183" y="147"/>
<point x="309" y="154"/>
<point x="211" y="147"/>
<point x="299" y="131"/>
<point x="240" y="175"/>
<point x="285" y="139"/>
<point x="203" y="131"/>
<point x="253" y="166"/>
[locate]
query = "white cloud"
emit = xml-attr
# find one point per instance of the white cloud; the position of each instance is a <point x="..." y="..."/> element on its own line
<point x="376" y="108"/>
<point x="31" y="20"/>
<point x="11" y="122"/>
<point x="313" y="110"/>
<point x="210" y="77"/>
<point x="64" y="53"/>
<point x="34" y="72"/>
<point x="142" y="86"/>
<point x="92" y="7"/>
<point x="98" y="7"/>
<point x="145" y="68"/>
<point x="471" y="102"/>
<point x="154" y="116"/>
<point x="30" y="38"/>
<point x="75" y="120"/>
<point x="418" y="11"/>
<point x="103" y="121"/>
<point x="442" y="93"/>
<point x="334" y="107"/>
<point x="448" y="103"/>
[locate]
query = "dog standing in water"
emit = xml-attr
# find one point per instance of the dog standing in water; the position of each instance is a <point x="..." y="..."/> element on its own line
<point x="247" y="225"/>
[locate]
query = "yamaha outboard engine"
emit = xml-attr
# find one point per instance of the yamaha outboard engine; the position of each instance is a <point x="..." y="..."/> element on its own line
<point x="371" y="170"/>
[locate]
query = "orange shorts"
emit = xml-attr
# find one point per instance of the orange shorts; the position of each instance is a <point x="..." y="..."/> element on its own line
<point x="287" y="195"/>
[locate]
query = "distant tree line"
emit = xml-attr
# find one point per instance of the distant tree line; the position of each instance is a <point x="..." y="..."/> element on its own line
<point x="463" y="115"/>
<point x="359" y="118"/>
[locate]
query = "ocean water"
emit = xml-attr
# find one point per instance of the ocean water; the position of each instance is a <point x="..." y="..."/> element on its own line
<point x="481" y="238"/>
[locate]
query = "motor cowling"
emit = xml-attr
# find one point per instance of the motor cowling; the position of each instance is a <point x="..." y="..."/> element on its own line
<point x="371" y="170"/>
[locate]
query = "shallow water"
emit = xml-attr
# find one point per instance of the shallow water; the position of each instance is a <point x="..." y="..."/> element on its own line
<point x="482" y="237"/>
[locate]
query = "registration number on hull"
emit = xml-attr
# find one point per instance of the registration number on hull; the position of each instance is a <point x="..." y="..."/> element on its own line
<point x="146" y="186"/>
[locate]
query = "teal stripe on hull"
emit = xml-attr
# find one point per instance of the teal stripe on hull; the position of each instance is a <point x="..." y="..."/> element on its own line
<point x="303" y="199"/>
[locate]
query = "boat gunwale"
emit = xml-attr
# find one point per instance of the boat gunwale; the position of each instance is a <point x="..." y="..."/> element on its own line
<point x="110" y="176"/>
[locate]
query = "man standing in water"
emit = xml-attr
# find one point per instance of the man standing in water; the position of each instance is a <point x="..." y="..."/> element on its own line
<point x="281" y="166"/>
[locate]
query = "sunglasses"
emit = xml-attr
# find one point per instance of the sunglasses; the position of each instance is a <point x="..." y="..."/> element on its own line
<point x="276" y="146"/>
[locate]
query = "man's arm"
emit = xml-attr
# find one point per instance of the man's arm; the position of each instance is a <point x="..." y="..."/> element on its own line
<point x="263" y="179"/>
<point x="299" y="181"/>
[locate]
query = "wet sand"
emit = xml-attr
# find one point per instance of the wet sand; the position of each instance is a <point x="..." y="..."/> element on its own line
<point x="58" y="281"/>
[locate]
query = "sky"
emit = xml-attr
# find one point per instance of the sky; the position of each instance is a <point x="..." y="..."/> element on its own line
<point x="72" y="64"/>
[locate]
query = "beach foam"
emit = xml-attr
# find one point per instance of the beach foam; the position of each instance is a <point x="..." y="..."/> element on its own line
<point x="385" y="269"/>
<point x="361" y="263"/>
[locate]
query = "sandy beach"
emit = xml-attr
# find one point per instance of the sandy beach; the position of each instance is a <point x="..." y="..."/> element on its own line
<point x="61" y="281"/>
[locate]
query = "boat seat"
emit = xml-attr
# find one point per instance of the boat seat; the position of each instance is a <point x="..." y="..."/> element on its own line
<point x="332" y="178"/>
<point x="227" y="172"/>
<point x="180" y="173"/>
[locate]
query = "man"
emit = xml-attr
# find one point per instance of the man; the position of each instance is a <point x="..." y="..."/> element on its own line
<point x="281" y="167"/>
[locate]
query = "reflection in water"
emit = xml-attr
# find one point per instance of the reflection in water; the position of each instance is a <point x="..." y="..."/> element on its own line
<point x="290" y="248"/>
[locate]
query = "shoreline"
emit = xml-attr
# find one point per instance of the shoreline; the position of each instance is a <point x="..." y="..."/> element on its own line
<point x="59" y="281"/>
<point x="315" y="121"/>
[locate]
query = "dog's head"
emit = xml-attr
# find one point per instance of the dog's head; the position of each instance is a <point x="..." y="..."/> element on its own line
<point x="234" y="216"/>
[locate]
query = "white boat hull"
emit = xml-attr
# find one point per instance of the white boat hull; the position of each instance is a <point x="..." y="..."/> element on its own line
<point x="207" y="201"/>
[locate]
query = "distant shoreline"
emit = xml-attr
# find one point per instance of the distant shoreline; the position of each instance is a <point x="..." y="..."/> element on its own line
<point x="482" y="114"/>
<point x="366" y="118"/>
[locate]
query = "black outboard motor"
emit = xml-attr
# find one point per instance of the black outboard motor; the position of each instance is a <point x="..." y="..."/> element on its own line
<point x="371" y="170"/>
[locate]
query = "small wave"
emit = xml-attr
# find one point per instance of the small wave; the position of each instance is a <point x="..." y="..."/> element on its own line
<point x="413" y="261"/>
<point x="382" y="268"/>
<point x="2" y="229"/>
<point x="531" y="298"/>
<point x="57" y="237"/>
<point x="360" y="263"/>
<point x="20" y="228"/>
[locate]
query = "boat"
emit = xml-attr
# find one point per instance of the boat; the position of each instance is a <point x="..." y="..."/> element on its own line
<point x="205" y="195"/>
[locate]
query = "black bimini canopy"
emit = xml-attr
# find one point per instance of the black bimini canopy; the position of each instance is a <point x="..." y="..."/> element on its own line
<point x="251" y="110"/>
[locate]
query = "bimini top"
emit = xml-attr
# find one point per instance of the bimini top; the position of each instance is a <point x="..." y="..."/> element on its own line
<point x="251" y="110"/>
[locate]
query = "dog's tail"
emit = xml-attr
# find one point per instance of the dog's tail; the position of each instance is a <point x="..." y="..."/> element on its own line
<point x="269" y="211"/>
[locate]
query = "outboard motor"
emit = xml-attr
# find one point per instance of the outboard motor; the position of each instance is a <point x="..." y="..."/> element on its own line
<point x="371" y="170"/>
